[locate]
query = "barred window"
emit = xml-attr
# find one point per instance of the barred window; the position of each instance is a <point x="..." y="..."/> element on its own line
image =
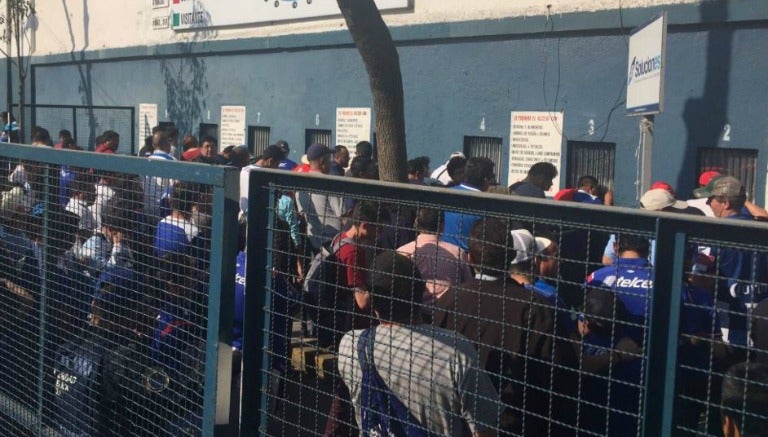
<point x="739" y="163"/>
<point x="320" y="136"/>
<point x="487" y="147"/>
<point x="258" y="139"/>
<point x="586" y="158"/>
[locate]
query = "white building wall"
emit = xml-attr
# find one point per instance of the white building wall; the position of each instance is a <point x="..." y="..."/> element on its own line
<point x="64" y="26"/>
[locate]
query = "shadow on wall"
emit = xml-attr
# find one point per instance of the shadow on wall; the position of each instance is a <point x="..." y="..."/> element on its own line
<point x="186" y="82"/>
<point x="705" y="116"/>
<point x="85" y="87"/>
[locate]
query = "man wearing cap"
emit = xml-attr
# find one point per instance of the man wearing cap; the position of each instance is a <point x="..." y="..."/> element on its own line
<point x="285" y="163"/>
<point x="322" y="212"/>
<point x="742" y="274"/>
<point x="707" y="183"/>
<point x="271" y="158"/>
<point x="442" y="391"/>
<point x="340" y="161"/>
<point x="441" y="172"/>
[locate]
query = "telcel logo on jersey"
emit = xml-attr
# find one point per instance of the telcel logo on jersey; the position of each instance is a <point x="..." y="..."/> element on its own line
<point x="621" y="281"/>
<point x="643" y="68"/>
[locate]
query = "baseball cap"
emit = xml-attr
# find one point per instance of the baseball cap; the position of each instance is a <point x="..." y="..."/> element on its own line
<point x="661" y="185"/>
<point x="726" y="186"/>
<point x="707" y="176"/>
<point x="542" y="243"/>
<point x="273" y="152"/>
<point x="457" y="155"/>
<point x="282" y="144"/>
<point x="524" y="244"/>
<point x="316" y="151"/>
<point x="658" y="199"/>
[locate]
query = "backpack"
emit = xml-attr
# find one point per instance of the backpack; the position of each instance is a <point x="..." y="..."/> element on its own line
<point x="77" y="392"/>
<point x="382" y="413"/>
<point x="322" y="270"/>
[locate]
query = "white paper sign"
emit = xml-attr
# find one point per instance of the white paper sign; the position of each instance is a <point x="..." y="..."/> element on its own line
<point x="352" y="126"/>
<point x="161" y="22"/>
<point x="645" y="68"/>
<point x="147" y="120"/>
<point x="535" y="137"/>
<point x="187" y="14"/>
<point x="232" y="130"/>
<point x="159" y="4"/>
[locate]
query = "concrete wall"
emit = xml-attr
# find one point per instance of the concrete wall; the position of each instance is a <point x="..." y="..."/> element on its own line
<point x="458" y="75"/>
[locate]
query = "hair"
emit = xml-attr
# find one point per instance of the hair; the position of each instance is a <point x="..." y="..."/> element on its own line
<point x="428" y="220"/>
<point x="65" y="134"/>
<point x="365" y="212"/>
<point x="364" y="168"/>
<point x="454" y="164"/>
<point x="635" y="243"/>
<point x="172" y="131"/>
<point x="397" y="289"/>
<point x="184" y="195"/>
<point x="273" y="152"/>
<point x="545" y="169"/>
<point x="83" y="184"/>
<point x="40" y="135"/>
<point x="487" y="255"/>
<point x="189" y="142"/>
<point x="339" y="149"/>
<point x="588" y="182"/>
<point x="209" y="139"/>
<point x="746" y="382"/>
<point x="364" y="149"/>
<point x="110" y="135"/>
<point x="159" y="140"/>
<point x="283" y="145"/>
<point x="478" y="171"/>
<point x="69" y="144"/>
<point x="239" y="157"/>
<point x="601" y="307"/>
<point x="419" y="164"/>
<point x="175" y="268"/>
<point x="736" y="202"/>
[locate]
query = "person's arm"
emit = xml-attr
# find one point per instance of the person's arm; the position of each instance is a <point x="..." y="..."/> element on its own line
<point x="608" y="198"/>
<point x="756" y="211"/>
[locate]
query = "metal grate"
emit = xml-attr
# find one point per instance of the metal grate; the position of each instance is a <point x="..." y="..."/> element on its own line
<point x="258" y="139"/>
<point x="320" y="136"/>
<point x="591" y="159"/>
<point x="739" y="163"/>
<point x="487" y="147"/>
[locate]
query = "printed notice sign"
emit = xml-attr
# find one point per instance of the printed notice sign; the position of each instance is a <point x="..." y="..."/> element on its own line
<point x="645" y="67"/>
<point x="535" y="137"/>
<point x="352" y="126"/>
<point x="147" y="119"/>
<point x="156" y="4"/>
<point x="232" y="126"/>
<point x="161" y="22"/>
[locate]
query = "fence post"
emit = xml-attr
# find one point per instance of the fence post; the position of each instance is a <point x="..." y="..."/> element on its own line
<point x="664" y="327"/>
<point x="74" y="125"/>
<point x="256" y="320"/>
<point x="133" y="132"/>
<point x="221" y="292"/>
<point x="43" y="306"/>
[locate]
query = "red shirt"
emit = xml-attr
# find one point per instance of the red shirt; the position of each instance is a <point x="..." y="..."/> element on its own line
<point x="354" y="260"/>
<point x="104" y="148"/>
<point x="191" y="154"/>
<point x="302" y="168"/>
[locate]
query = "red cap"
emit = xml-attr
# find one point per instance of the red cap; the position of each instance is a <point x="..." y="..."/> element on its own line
<point x="707" y="176"/>
<point x="661" y="185"/>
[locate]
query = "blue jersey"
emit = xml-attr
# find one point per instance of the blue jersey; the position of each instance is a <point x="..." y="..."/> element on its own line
<point x="237" y="336"/>
<point x="632" y="281"/>
<point x="457" y="225"/>
<point x="583" y="197"/>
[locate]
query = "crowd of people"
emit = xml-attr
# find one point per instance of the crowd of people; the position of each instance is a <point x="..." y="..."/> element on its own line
<point x="443" y="322"/>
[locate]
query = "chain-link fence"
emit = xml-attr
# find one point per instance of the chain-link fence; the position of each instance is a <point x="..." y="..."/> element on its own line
<point x="421" y="311"/>
<point x="116" y="299"/>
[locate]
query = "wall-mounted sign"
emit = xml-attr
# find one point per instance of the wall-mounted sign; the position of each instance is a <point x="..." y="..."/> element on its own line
<point x="535" y="137"/>
<point x="156" y="4"/>
<point x="352" y="126"/>
<point x="232" y="129"/>
<point x="147" y="120"/>
<point x="188" y="14"/>
<point x="161" y="22"/>
<point x="645" y="67"/>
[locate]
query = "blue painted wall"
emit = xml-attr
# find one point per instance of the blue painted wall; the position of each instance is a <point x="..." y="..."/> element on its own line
<point x="716" y="74"/>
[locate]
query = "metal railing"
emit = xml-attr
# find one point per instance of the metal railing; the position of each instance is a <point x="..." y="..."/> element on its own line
<point x="678" y="315"/>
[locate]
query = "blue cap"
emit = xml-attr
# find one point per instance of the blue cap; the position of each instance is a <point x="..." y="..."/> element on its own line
<point x="317" y="151"/>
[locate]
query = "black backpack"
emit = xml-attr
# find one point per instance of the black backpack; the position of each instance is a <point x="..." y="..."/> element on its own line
<point x="322" y="273"/>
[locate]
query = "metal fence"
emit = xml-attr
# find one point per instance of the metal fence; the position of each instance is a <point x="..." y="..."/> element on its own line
<point x="536" y="324"/>
<point x="117" y="285"/>
<point x="86" y="123"/>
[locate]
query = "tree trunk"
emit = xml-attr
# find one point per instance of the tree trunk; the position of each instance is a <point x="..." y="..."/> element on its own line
<point x="379" y="54"/>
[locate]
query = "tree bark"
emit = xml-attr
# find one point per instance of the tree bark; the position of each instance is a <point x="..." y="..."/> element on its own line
<point x="379" y="54"/>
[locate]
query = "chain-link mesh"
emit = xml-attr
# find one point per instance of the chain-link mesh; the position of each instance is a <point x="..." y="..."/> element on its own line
<point x="104" y="301"/>
<point x="415" y="314"/>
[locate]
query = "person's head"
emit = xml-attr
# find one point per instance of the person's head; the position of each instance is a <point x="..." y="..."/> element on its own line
<point x="318" y="157"/>
<point x="62" y="228"/>
<point x="365" y="217"/>
<point x="364" y="149"/>
<point x="82" y="188"/>
<point x="547" y="258"/>
<point x="118" y="217"/>
<point x="160" y="142"/>
<point x="630" y="246"/>
<point x="418" y="168"/>
<point x="364" y="168"/>
<point x="183" y="196"/>
<point x="111" y="139"/>
<point x="64" y="135"/>
<point x="341" y="156"/>
<point x="725" y="195"/>
<point x="189" y="142"/>
<point x="589" y="184"/>
<point x="490" y="248"/>
<point x="661" y="200"/>
<point x="239" y="157"/>
<point x="661" y="185"/>
<point x="601" y="307"/>
<point x="706" y="177"/>
<point x="40" y="136"/>
<point x="428" y="221"/>
<point x="271" y="157"/>
<point x="744" y="400"/>
<point x="525" y="246"/>
<point x="455" y="168"/>
<point x="175" y="274"/>
<point x="541" y="174"/>
<point x="479" y="173"/>
<point x="69" y="144"/>
<point x="208" y="147"/>
<point x="173" y="134"/>
<point x="283" y="145"/>
<point x="396" y="288"/>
